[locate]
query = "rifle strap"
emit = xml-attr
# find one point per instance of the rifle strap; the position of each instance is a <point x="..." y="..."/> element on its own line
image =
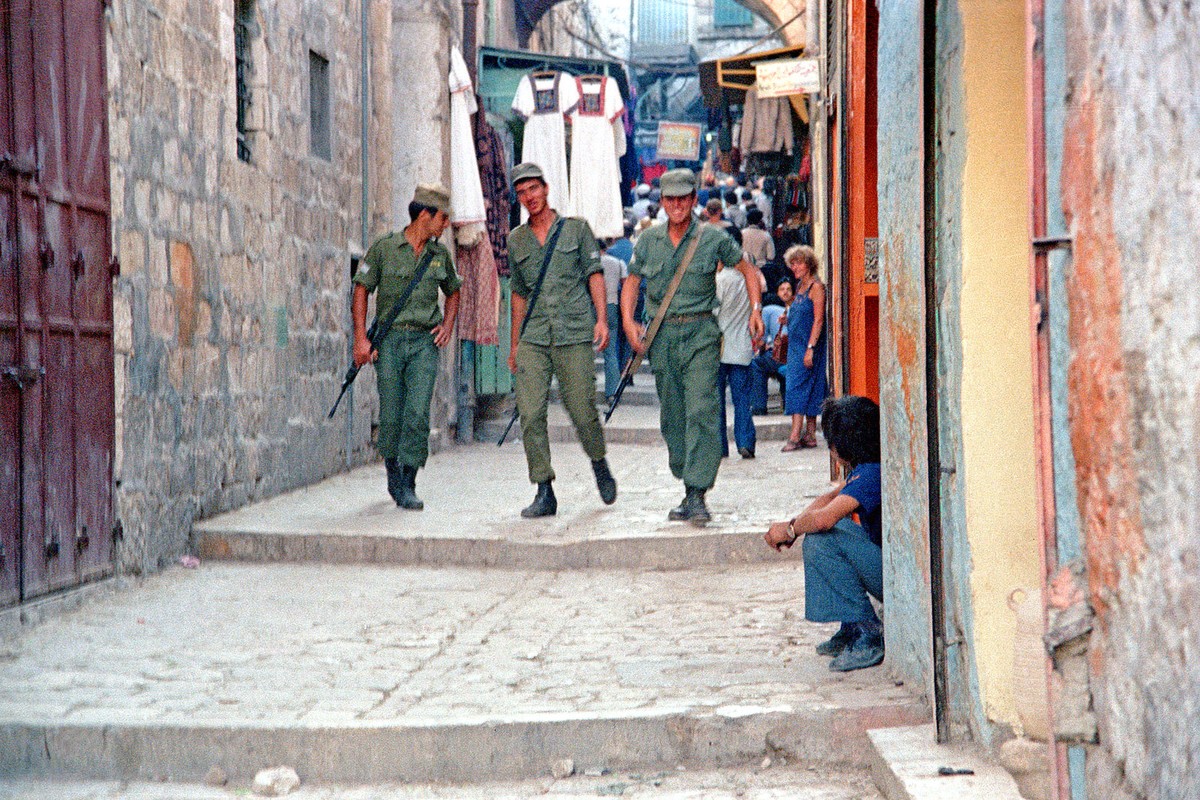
<point x="551" y="243"/>
<point x="382" y="328"/>
<point x="668" y="296"/>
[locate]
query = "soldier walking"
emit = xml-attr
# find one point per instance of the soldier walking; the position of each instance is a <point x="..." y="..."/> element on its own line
<point x="408" y="267"/>
<point x="558" y="279"/>
<point x="686" y="350"/>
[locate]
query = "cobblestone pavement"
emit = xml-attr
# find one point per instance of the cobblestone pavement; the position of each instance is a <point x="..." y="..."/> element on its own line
<point x="345" y="645"/>
<point x="478" y="491"/>
<point x="777" y="783"/>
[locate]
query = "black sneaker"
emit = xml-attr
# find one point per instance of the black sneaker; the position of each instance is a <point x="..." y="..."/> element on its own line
<point x="839" y="641"/>
<point x="745" y="452"/>
<point x="866" y="651"/>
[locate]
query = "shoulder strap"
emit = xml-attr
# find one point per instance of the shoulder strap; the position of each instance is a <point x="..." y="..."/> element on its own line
<point x="676" y="279"/>
<point x="551" y="243"/>
<point x="382" y="328"/>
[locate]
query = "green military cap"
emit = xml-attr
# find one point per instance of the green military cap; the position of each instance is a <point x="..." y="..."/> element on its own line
<point x="677" y="183"/>
<point x="433" y="195"/>
<point x="525" y="171"/>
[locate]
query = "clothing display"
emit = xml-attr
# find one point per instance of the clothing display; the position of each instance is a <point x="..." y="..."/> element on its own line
<point x="766" y="124"/>
<point x="595" y="174"/>
<point x="543" y="99"/>
<point x="468" y="206"/>
<point x="479" y="297"/>
<point x="497" y="196"/>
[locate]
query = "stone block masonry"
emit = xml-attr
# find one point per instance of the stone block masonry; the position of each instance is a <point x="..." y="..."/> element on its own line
<point x="232" y="308"/>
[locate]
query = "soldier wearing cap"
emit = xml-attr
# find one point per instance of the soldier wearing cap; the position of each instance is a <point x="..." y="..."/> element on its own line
<point x="567" y="321"/>
<point x="406" y="363"/>
<point x="686" y="352"/>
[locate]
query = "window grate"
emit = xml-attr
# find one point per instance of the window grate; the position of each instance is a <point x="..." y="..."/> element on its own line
<point x="318" y="106"/>
<point x="243" y="33"/>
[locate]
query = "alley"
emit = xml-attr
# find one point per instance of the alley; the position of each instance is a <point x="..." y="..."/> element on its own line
<point x="409" y="665"/>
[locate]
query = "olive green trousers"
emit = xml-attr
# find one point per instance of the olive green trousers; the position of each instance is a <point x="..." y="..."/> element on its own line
<point x="406" y="370"/>
<point x="686" y="357"/>
<point x="574" y="366"/>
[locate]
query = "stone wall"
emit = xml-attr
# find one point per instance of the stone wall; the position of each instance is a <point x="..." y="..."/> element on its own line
<point x="232" y="309"/>
<point x="1131" y="188"/>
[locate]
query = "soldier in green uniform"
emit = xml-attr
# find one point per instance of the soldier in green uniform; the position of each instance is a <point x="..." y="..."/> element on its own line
<point x="686" y="351"/>
<point x="406" y="363"/>
<point x="567" y="321"/>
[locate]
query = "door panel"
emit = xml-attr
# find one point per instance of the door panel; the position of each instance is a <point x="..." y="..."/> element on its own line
<point x="55" y="299"/>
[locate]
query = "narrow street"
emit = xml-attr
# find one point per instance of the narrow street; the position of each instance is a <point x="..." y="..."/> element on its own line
<point x="329" y="631"/>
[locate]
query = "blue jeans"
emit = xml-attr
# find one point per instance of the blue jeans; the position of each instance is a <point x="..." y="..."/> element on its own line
<point x="737" y="378"/>
<point x="762" y="368"/>
<point x="841" y="567"/>
<point x="613" y="360"/>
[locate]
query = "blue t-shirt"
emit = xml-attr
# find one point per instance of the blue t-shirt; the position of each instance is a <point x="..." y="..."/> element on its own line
<point x="771" y="315"/>
<point x="863" y="484"/>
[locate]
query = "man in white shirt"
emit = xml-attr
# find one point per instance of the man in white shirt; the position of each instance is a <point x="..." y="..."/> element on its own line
<point x="737" y="350"/>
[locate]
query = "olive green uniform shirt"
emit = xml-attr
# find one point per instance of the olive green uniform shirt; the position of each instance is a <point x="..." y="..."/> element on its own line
<point x="655" y="260"/>
<point x="389" y="266"/>
<point x="564" y="313"/>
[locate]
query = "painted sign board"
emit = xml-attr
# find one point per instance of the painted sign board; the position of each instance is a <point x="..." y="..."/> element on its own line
<point x="788" y="77"/>
<point x="679" y="141"/>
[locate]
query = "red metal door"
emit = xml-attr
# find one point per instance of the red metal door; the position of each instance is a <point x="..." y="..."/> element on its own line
<point x="56" y="350"/>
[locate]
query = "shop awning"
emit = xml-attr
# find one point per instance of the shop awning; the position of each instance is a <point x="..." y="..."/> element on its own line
<point x="724" y="81"/>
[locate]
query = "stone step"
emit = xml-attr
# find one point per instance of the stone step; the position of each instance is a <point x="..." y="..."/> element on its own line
<point x="905" y="762"/>
<point x="372" y="675"/>
<point x="476" y="522"/>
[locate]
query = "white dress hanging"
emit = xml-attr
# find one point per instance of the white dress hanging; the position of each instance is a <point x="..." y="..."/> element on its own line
<point x="595" y="172"/>
<point x="466" y="191"/>
<point x="542" y="100"/>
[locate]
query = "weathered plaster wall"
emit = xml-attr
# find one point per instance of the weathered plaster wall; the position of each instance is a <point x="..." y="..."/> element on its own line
<point x="1132" y="128"/>
<point x="232" y="307"/>
<point x="999" y="489"/>
<point x="902" y="347"/>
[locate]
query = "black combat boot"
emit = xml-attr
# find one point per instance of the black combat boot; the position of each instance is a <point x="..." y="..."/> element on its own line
<point x="692" y="508"/>
<point x="545" y="504"/>
<point x="408" y="489"/>
<point x="395" y="478"/>
<point x="605" y="481"/>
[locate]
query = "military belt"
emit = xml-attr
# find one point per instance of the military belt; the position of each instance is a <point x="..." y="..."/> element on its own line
<point x="679" y="319"/>
<point x="408" y="326"/>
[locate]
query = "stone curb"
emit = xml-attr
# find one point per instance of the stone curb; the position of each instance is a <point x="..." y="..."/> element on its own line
<point x="649" y="552"/>
<point x="904" y="762"/>
<point x="475" y="751"/>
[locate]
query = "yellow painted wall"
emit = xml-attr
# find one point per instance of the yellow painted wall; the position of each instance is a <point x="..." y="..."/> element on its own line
<point x="997" y="394"/>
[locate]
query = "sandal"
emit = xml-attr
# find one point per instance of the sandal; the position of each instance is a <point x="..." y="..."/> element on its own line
<point x="792" y="446"/>
<point x="809" y="441"/>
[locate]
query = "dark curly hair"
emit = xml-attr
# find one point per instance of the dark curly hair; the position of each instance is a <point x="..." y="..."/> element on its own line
<point x="851" y="426"/>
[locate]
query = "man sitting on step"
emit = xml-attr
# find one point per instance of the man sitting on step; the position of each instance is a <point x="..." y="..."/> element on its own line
<point x="843" y="559"/>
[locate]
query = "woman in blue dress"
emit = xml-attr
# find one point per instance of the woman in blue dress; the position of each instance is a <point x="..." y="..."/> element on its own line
<point x="806" y="385"/>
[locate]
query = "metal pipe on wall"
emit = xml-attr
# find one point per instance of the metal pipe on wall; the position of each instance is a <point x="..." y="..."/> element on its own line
<point x="364" y="167"/>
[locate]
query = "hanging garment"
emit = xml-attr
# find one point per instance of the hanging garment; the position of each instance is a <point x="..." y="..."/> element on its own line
<point x="497" y="197"/>
<point x="595" y="172"/>
<point x="466" y="192"/>
<point x="766" y="124"/>
<point x="543" y="100"/>
<point x="479" y="297"/>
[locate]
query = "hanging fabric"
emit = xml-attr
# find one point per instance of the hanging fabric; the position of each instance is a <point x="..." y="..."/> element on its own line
<point x="543" y="100"/>
<point x="766" y="124"/>
<point x="595" y="172"/>
<point x="479" y="297"/>
<point x="466" y="192"/>
<point x="497" y="196"/>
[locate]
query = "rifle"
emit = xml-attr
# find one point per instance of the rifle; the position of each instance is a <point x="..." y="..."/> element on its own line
<point x="635" y="362"/>
<point x="381" y="328"/>
<point x="551" y="243"/>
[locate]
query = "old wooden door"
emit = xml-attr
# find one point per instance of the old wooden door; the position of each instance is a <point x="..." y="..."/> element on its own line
<point x="56" y="348"/>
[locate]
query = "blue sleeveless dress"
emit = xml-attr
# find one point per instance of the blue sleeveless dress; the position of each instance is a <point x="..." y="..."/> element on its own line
<point x="806" y="388"/>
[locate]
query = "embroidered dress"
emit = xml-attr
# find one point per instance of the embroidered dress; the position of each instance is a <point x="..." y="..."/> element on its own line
<point x="543" y="99"/>
<point x="595" y="170"/>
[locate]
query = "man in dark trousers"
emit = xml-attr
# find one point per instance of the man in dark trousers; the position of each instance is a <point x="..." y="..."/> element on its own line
<point x="406" y="362"/>
<point x="568" y="320"/>
<point x="686" y="351"/>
